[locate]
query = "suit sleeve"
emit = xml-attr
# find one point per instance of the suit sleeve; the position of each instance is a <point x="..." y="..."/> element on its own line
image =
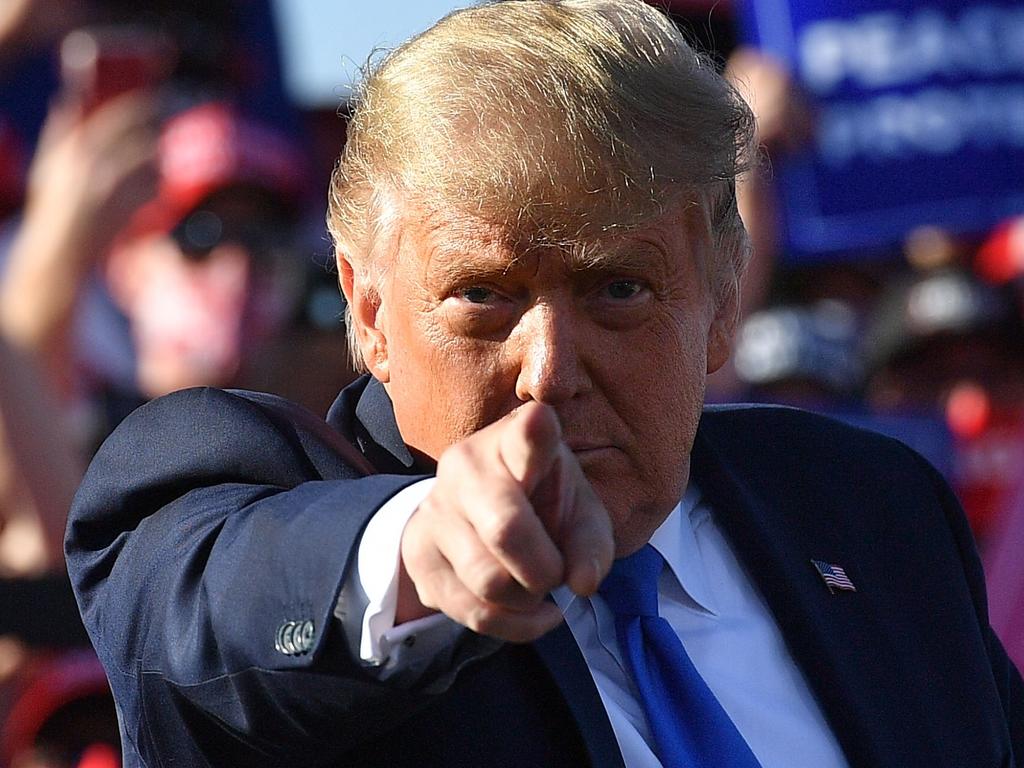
<point x="209" y="524"/>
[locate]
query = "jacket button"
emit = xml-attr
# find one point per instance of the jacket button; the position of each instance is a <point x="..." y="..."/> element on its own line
<point x="303" y="636"/>
<point x="294" y="638"/>
<point x="284" y="640"/>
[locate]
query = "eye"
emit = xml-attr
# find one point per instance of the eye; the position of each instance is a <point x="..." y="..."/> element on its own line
<point x="623" y="289"/>
<point x="476" y="294"/>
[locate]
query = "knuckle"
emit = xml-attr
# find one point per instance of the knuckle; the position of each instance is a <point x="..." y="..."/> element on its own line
<point x="451" y="461"/>
<point x="459" y="457"/>
<point x="491" y="582"/>
<point x="484" y="620"/>
<point x="502" y="532"/>
<point x="429" y="507"/>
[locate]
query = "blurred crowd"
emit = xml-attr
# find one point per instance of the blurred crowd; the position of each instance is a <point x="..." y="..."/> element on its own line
<point x="161" y="226"/>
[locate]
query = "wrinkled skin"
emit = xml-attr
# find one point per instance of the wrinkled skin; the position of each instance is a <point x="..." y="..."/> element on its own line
<point x="468" y="329"/>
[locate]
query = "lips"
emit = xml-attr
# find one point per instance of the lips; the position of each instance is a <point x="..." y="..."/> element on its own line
<point x="577" y="444"/>
<point x="588" y="447"/>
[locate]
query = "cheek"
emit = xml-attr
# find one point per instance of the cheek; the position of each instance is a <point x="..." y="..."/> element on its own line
<point x="445" y="388"/>
<point x="657" y="388"/>
<point x="662" y="367"/>
<point x="676" y="378"/>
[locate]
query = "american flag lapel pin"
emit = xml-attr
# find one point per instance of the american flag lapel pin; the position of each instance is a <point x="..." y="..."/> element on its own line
<point x="833" y="576"/>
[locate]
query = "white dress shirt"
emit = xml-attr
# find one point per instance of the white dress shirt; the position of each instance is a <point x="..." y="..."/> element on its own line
<point x="706" y="596"/>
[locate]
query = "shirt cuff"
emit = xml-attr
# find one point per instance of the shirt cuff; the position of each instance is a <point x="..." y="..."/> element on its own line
<point x="377" y="567"/>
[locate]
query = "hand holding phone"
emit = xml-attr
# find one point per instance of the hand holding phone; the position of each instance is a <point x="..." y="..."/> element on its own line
<point x="101" y="63"/>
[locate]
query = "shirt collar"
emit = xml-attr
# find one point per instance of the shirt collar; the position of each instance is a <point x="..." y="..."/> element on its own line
<point x="676" y="541"/>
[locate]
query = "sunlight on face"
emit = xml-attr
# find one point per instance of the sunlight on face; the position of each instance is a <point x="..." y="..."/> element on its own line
<point x="614" y="337"/>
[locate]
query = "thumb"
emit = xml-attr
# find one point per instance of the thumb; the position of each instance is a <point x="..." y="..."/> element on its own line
<point x="529" y="445"/>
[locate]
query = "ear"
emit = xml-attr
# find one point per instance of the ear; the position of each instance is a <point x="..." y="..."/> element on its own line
<point x="723" y="326"/>
<point x="366" y="317"/>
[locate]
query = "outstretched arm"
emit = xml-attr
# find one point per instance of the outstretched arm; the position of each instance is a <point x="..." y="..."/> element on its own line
<point x="206" y="523"/>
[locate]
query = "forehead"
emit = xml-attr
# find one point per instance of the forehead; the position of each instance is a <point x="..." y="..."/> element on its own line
<point x="454" y="244"/>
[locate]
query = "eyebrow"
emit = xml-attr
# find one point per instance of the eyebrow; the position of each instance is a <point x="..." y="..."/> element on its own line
<point x="465" y="259"/>
<point x="460" y="260"/>
<point x="627" y="254"/>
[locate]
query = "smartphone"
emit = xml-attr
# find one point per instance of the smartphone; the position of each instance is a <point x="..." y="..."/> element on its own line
<point x="100" y="63"/>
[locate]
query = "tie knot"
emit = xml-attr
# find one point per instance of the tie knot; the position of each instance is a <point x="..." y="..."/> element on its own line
<point x="631" y="587"/>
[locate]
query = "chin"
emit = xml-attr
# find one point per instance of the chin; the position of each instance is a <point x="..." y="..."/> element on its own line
<point x="633" y="523"/>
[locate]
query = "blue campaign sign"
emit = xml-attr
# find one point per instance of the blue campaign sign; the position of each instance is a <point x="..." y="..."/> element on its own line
<point x="920" y="116"/>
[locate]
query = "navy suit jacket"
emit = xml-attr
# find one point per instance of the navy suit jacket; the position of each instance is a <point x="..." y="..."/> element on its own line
<point x="210" y="520"/>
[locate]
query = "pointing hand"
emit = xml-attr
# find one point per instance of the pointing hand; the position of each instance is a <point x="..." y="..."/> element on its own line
<point x="510" y="518"/>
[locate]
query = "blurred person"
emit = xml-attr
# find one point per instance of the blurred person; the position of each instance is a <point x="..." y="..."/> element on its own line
<point x="943" y="341"/>
<point x="205" y="273"/>
<point x="86" y="177"/>
<point x="213" y="239"/>
<point x="802" y="355"/>
<point x="812" y="355"/>
<point x="537" y="236"/>
<point x="1000" y="261"/>
<point x="783" y="121"/>
<point x="66" y="365"/>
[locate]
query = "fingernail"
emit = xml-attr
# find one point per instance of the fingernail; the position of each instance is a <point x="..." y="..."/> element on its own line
<point x="595" y="564"/>
<point x="589" y="583"/>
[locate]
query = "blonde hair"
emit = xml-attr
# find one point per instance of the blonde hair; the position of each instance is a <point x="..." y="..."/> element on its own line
<point x="561" y="120"/>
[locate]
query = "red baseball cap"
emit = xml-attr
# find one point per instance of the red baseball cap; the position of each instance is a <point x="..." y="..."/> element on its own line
<point x="211" y="147"/>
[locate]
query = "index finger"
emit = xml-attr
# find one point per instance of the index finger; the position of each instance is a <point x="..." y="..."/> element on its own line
<point x="530" y="443"/>
<point x="586" y="540"/>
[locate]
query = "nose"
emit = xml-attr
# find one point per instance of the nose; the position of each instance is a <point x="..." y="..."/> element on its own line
<point x="550" y="369"/>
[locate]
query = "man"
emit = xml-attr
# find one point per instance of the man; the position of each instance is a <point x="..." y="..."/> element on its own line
<point x="537" y="236"/>
<point x="191" y="229"/>
<point x="204" y="272"/>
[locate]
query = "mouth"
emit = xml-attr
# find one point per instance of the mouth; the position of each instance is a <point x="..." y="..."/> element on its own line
<point x="585" y="448"/>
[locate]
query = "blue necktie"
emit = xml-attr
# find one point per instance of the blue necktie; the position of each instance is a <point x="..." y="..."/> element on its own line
<point x="691" y="730"/>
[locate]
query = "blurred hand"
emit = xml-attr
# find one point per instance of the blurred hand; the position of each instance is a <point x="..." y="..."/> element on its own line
<point x="510" y="518"/>
<point x="91" y="173"/>
<point x="784" y="120"/>
<point x="27" y="26"/>
<point x="88" y="177"/>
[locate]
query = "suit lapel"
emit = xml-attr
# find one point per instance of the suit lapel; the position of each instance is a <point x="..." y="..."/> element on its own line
<point x="778" y="561"/>
<point x="830" y="636"/>
<point x="364" y="415"/>
<point x="563" y="659"/>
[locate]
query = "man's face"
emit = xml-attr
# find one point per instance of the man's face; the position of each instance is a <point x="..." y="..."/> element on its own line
<point x="618" y="340"/>
<point x="198" y="299"/>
